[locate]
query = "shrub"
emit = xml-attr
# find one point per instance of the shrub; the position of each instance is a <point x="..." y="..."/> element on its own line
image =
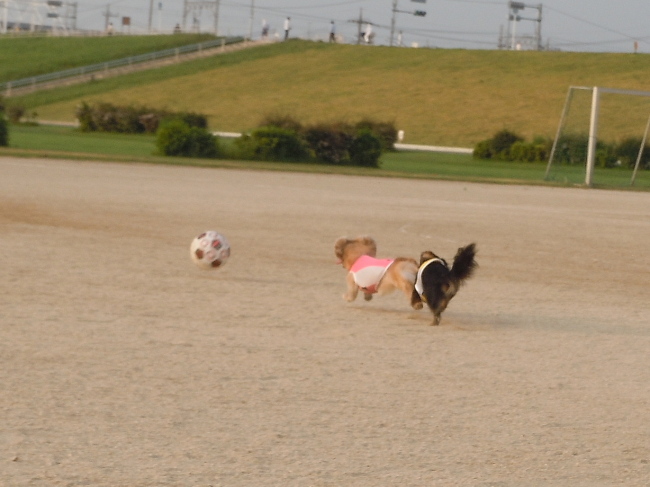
<point x="202" y="143"/>
<point x="276" y="144"/>
<point x="4" y="130"/>
<point x="572" y="148"/>
<point x="245" y="147"/>
<point x="106" y="117"/>
<point x="521" y="151"/>
<point x="337" y="143"/>
<point x="542" y="152"/>
<point x="190" y="118"/>
<point x="384" y="131"/>
<point x="85" y="117"/>
<point x="483" y="150"/>
<point x="15" y="112"/>
<point x="150" y="122"/>
<point x="502" y="141"/>
<point x="605" y="156"/>
<point x="177" y="138"/>
<point x="627" y="151"/>
<point x="498" y="147"/>
<point x="365" y="150"/>
<point x="537" y="151"/>
<point x="281" y="121"/>
<point x="126" y="120"/>
<point x="330" y="144"/>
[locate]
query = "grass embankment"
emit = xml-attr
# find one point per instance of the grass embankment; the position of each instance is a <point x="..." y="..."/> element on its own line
<point x="22" y="57"/>
<point x="68" y="142"/>
<point x="437" y="96"/>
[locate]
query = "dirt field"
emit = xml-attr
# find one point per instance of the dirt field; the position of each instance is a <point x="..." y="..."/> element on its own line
<point x="123" y="364"/>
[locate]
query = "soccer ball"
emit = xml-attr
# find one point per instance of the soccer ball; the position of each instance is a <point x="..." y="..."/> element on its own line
<point x="210" y="250"/>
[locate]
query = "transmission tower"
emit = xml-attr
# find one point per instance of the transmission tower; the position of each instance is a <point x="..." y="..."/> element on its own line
<point x="514" y="42"/>
<point x="108" y="15"/>
<point x="417" y="13"/>
<point x="60" y="15"/>
<point x="195" y="7"/>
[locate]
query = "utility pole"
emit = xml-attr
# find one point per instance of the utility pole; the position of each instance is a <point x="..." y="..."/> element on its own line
<point x="73" y="15"/>
<point x="417" y="13"/>
<point x="359" y="22"/>
<point x="5" y="16"/>
<point x="250" y="27"/>
<point x="150" y="14"/>
<point x="107" y="16"/>
<point x="392" y="23"/>
<point x="359" y="26"/>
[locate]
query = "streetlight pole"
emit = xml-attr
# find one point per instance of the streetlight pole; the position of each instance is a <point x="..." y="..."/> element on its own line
<point x="150" y="14"/>
<point x="392" y="23"/>
<point x="250" y="28"/>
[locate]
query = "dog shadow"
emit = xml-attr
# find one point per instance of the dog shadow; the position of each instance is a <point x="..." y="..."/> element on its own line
<point x="450" y="321"/>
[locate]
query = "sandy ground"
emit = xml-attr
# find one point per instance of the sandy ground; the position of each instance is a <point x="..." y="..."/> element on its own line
<point x="123" y="364"/>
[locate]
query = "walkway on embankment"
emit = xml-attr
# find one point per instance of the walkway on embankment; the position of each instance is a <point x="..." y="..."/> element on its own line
<point x="109" y="69"/>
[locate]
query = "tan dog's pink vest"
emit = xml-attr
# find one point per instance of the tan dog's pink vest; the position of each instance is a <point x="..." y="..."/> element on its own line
<point x="368" y="271"/>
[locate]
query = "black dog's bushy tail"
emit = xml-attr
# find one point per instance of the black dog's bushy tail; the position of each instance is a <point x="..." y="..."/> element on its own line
<point x="464" y="264"/>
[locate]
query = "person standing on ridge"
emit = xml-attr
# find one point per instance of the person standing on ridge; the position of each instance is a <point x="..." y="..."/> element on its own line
<point x="287" y="27"/>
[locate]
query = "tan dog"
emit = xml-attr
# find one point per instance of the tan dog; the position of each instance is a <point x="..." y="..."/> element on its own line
<point x="372" y="275"/>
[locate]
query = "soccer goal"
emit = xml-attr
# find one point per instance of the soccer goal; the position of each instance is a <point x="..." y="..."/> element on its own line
<point x="615" y="113"/>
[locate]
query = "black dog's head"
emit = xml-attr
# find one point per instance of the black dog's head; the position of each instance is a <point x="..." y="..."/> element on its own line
<point x="428" y="255"/>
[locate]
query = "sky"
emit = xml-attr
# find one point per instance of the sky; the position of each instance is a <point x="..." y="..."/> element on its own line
<point x="566" y="25"/>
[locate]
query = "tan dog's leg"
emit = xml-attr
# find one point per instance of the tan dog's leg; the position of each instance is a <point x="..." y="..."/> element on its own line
<point x="353" y="289"/>
<point x="416" y="300"/>
<point x="401" y="275"/>
<point x="408" y="289"/>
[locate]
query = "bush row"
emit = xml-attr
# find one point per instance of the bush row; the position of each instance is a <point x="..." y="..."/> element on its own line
<point x="277" y="138"/>
<point x="337" y="144"/>
<point x="384" y="131"/>
<point x="4" y="125"/>
<point x="106" y="117"/>
<point x="506" y="145"/>
<point x="572" y="149"/>
<point x="4" y="130"/>
<point x="285" y="139"/>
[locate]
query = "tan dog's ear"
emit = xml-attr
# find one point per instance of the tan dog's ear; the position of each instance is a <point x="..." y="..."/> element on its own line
<point x="339" y="247"/>
<point x="370" y="245"/>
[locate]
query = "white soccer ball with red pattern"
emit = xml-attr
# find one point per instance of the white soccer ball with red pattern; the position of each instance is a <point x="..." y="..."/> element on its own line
<point x="210" y="250"/>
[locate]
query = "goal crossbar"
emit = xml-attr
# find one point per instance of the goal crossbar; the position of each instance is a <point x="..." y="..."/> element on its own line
<point x="596" y="91"/>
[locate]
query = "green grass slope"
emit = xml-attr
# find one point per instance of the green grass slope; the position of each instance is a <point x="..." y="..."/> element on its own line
<point x="444" y="97"/>
<point x="22" y="57"/>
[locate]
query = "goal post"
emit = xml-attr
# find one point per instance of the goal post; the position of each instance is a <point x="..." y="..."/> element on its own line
<point x="592" y="139"/>
<point x="640" y="154"/>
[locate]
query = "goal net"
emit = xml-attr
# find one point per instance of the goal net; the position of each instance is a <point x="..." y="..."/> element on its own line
<point x="600" y="128"/>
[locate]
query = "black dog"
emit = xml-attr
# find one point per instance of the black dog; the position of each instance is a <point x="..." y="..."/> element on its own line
<point x="436" y="283"/>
